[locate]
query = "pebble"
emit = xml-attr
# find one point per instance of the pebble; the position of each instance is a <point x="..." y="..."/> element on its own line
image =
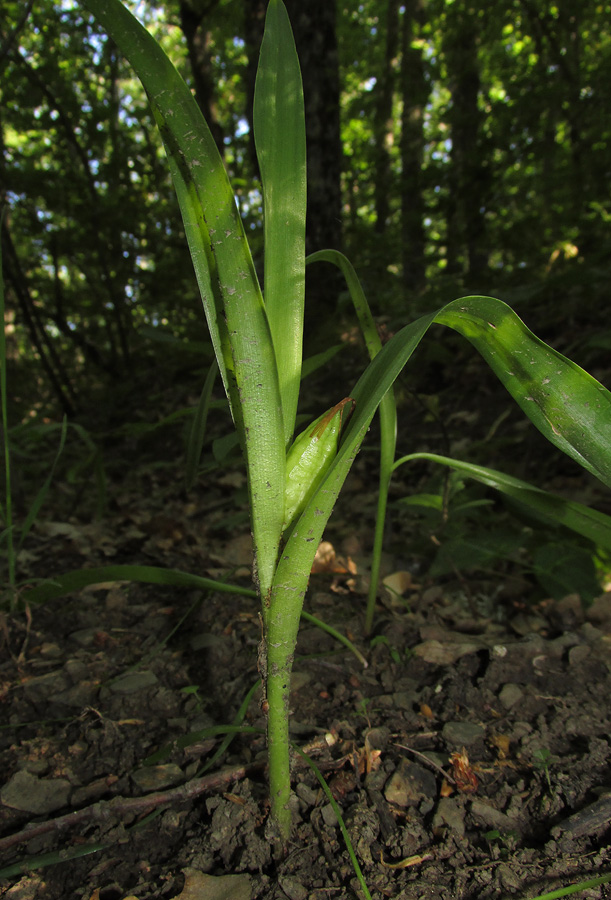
<point x="215" y="887"/>
<point x="46" y="687"/>
<point x="510" y="695"/>
<point x="80" y="695"/>
<point x="155" y="778"/>
<point x="462" y="734"/>
<point x="293" y="889"/>
<point x="451" y="815"/>
<point x="28" y="793"/>
<point x="305" y="793"/>
<point x="328" y="815"/>
<point x="443" y="654"/>
<point x="491" y="817"/>
<point x="410" y="784"/>
<point x="135" y="681"/>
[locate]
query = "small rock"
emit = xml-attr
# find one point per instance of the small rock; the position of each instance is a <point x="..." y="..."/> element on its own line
<point x="450" y="814"/>
<point x="443" y="654"/>
<point x="462" y="734"/>
<point x="578" y="654"/>
<point x="404" y="700"/>
<point x="410" y="784"/>
<point x="46" y="687"/>
<point x="85" y="637"/>
<point x="600" y="611"/>
<point x="214" y="887"/>
<point x="328" y="815"/>
<point x="510" y="695"/>
<point x="135" y="681"/>
<point x="79" y="695"/>
<point x="293" y="889"/>
<point x="299" y="680"/>
<point x="155" y="778"/>
<point x="28" y="793"/>
<point x="76" y="669"/>
<point x="491" y="817"/>
<point x="305" y="793"/>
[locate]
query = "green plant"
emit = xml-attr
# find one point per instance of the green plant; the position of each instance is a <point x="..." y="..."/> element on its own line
<point x="258" y="346"/>
<point x="542" y="758"/>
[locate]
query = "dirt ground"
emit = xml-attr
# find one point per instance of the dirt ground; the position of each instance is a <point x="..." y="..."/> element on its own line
<point x="513" y="709"/>
<point x="471" y="758"/>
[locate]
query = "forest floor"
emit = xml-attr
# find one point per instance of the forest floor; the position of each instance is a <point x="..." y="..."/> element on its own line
<point x="471" y="758"/>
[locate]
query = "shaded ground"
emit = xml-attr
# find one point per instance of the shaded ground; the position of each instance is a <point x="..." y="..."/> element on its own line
<point x="521" y="706"/>
<point x="470" y="759"/>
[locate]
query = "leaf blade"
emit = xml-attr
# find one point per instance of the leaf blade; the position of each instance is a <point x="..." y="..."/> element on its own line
<point x="279" y="131"/>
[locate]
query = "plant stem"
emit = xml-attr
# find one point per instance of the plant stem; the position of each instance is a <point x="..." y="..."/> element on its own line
<point x="282" y="627"/>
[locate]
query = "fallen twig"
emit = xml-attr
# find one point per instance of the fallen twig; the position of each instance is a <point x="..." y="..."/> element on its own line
<point x="118" y="807"/>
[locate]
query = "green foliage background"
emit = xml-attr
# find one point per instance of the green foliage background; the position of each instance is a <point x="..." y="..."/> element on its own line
<point x="509" y="112"/>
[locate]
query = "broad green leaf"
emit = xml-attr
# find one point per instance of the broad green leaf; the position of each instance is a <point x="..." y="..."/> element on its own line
<point x="225" y="272"/>
<point x="549" y="387"/>
<point x="566" y="404"/>
<point x="279" y="131"/>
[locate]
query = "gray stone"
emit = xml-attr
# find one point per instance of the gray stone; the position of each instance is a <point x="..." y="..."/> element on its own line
<point x="135" y="681"/>
<point x="487" y="815"/>
<point x="79" y="695"/>
<point x="410" y="784"/>
<point x="199" y="886"/>
<point x="293" y="889"/>
<point x="45" y="687"/>
<point x="510" y="695"/>
<point x="462" y="734"/>
<point x="28" y="793"/>
<point x="450" y="814"/>
<point x="155" y="778"/>
<point x="328" y="815"/>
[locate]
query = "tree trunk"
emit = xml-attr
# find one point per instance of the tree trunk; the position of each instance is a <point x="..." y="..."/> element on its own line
<point x="313" y="26"/>
<point x="193" y="19"/>
<point x="470" y="176"/>
<point x="383" y="120"/>
<point x="415" y="92"/>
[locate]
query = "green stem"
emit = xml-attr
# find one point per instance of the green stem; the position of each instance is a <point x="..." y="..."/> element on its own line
<point x="282" y="628"/>
<point x="388" y="442"/>
<point x="388" y="415"/>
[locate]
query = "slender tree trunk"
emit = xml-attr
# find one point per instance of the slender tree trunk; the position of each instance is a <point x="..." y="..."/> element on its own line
<point x="415" y="92"/>
<point x="383" y="125"/>
<point x="313" y="26"/>
<point x="194" y="17"/>
<point x="469" y="182"/>
<point x="51" y="365"/>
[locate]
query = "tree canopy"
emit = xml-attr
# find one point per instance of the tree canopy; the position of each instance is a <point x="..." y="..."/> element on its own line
<point x="453" y="147"/>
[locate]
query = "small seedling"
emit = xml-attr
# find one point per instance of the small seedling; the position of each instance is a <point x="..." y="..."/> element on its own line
<point x="542" y="759"/>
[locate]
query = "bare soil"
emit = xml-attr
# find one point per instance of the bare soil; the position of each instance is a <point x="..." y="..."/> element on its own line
<point x="515" y="712"/>
<point x="471" y="758"/>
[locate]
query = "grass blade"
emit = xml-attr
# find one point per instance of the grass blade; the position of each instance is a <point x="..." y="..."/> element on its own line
<point x="225" y="272"/>
<point x="198" y="427"/>
<point x="279" y="130"/>
<point x="80" y="578"/>
<point x="590" y="523"/>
